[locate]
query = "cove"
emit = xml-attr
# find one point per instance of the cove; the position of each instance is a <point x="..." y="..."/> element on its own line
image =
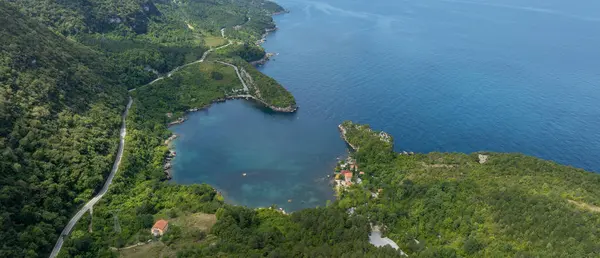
<point x="438" y="75"/>
<point x="283" y="156"/>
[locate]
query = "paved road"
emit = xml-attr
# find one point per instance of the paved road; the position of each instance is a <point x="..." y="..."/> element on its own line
<point x="96" y="198"/>
<point x="93" y="201"/>
<point x="237" y="71"/>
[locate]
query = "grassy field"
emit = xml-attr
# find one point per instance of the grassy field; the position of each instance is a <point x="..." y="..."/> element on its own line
<point x="229" y="78"/>
<point x="212" y="41"/>
<point x="188" y="228"/>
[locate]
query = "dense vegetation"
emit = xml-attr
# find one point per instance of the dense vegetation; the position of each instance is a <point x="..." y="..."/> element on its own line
<point x="248" y="52"/>
<point x="63" y="81"/>
<point x="144" y="38"/>
<point x="264" y="87"/>
<point x="452" y="205"/>
<point x="60" y="114"/>
<point x="195" y="86"/>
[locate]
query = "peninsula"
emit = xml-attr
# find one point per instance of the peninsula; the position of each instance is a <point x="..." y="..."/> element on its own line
<point x="73" y="76"/>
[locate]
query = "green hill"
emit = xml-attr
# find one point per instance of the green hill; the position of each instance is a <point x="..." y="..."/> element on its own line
<point x="64" y="70"/>
<point x="477" y="205"/>
<point x="60" y="114"/>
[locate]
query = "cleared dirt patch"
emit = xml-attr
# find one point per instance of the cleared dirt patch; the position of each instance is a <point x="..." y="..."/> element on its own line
<point x="150" y="250"/>
<point x="200" y="221"/>
<point x="212" y="41"/>
<point x="585" y="206"/>
<point x="188" y="224"/>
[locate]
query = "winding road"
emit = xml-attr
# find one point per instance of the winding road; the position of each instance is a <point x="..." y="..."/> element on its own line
<point x="88" y="206"/>
<point x="237" y="71"/>
<point x="104" y="189"/>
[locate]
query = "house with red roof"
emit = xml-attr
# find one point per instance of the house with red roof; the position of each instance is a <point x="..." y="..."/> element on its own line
<point x="160" y="227"/>
<point x="347" y="175"/>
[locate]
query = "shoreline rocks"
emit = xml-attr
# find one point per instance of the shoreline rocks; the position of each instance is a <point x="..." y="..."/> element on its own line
<point x="178" y="121"/>
<point x="281" y="12"/>
<point x="170" y="139"/>
<point x="168" y="165"/>
<point x="263" y="60"/>
<point x="343" y="133"/>
<point x="263" y="38"/>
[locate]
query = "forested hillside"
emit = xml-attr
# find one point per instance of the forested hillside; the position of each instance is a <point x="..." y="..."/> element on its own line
<point x="145" y="38"/>
<point x="59" y="119"/>
<point x="477" y="205"/>
<point x="64" y="70"/>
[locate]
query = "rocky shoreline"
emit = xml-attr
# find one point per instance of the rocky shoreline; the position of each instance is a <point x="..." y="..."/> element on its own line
<point x="263" y="38"/>
<point x="288" y="109"/>
<point x="171" y="155"/>
<point x="282" y="12"/>
<point x="263" y="60"/>
<point x="343" y="132"/>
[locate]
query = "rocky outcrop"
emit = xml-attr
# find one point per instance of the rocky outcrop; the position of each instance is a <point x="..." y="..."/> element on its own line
<point x="263" y="38"/>
<point x="168" y="164"/>
<point x="288" y="109"/>
<point x="178" y="121"/>
<point x="343" y="131"/>
<point x="170" y="139"/>
<point x="482" y="158"/>
<point x="263" y="60"/>
<point x="356" y="135"/>
<point x="281" y="12"/>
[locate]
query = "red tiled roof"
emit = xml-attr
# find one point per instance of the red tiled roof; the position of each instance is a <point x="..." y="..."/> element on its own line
<point x="348" y="176"/>
<point x="161" y="224"/>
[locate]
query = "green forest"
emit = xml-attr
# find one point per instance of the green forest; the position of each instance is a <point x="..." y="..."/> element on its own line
<point x="453" y="205"/>
<point x="65" y="68"/>
<point x="60" y="113"/>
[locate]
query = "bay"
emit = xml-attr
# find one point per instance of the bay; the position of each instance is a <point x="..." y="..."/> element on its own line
<point x="443" y="75"/>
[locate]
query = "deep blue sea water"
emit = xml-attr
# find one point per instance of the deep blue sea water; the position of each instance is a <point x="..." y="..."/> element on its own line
<point x="439" y="75"/>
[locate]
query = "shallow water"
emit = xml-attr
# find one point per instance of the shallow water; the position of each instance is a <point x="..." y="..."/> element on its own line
<point x="444" y="75"/>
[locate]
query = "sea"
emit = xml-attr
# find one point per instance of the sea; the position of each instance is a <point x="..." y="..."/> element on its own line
<point x="439" y="75"/>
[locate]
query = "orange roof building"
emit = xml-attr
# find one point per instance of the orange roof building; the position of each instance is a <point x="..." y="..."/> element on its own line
<point x="160" y="227"/>
<point x="347" y="175"/>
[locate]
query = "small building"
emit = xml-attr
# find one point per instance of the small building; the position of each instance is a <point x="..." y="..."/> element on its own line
<point x="160" y="227"/>
<point x="347" y="175"/>
<point x="361" y="173"/>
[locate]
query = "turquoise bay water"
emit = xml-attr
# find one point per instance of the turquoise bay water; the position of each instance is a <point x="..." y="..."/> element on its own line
<point x="439" y="75"/>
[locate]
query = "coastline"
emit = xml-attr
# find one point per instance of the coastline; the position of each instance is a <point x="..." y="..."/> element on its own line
<point x="343" y="132"/>
<point x="263" y="38"/>
<point x="263" y="60"/>
<point x="289" y="109"/>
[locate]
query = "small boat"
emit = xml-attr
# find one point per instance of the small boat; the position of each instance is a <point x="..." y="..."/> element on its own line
<point x="244" y="174"/>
